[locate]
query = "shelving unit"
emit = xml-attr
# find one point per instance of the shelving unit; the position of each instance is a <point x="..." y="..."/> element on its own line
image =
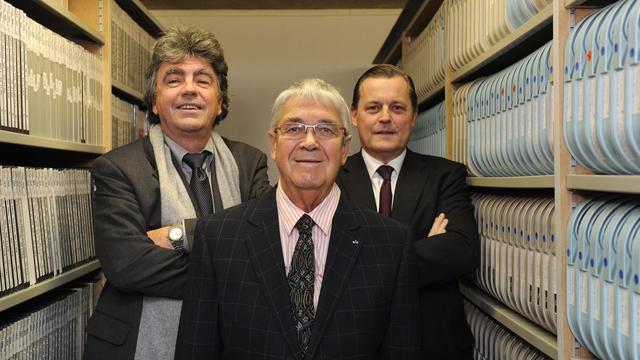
<point x="87" y="23"/>
<point x="541" y="339"/>
<point x="127" y="93"/>
<point x="40" y="288"/>
<point x="523" y="182"/>
<point x="554" y="23"/>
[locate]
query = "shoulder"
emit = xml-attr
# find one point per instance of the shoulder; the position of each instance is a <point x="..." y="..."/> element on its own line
<point x="433" y="164"/>
<point x="235" y="218"/>
<point x="239" y="148"/>
<point x="134" y="157"/>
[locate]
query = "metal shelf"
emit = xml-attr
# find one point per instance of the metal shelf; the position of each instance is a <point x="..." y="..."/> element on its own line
<point x="142" y="16"/>
<point x="523" y="182"/>
<point x="527" y="330"/>
<point x="517" y="37"/>
<point x="613" y="183"/>
<point x="40" y="288"/>
<point x="47" y="143"/>
<point x="127" y="93"/>
<point x="60" y="20"/>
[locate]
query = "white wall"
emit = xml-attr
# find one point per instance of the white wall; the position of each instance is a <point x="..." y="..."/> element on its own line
<point x="270" y="49"/>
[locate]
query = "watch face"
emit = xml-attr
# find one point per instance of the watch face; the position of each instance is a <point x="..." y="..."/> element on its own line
<point x="175" y="233"/>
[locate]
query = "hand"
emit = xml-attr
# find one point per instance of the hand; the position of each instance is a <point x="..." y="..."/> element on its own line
<point x="160" y="237"/>
<point x="439" y="225"/>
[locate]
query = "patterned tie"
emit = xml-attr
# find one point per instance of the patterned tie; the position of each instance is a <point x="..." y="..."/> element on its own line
<point x="200" y="181"/>
<point x="385" y="191"/>
<point x="301" y="279"/>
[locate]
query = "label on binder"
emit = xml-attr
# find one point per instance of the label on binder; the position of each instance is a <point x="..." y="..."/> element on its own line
<point x="572" y="286"/>
<point x="596" y="298"/>
<point x="605" y="95"/>
<point x="624" y="309"/>
<point x="636" y="91"/>
<point x="611" y="313"/>
<point x="585" y="293"/>
<point x="580" y="100"/>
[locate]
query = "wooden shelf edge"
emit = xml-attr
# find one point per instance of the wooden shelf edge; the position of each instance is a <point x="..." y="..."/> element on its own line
<point x="571" y="3"/>
<point x="390" y="51"/>
<point x="127" y="92"/>
<point x="47" y="143"/>
<point x="141" y="15"/>
<point x="72" y="20"/>
<point x="527" y="330"/>
<point x="612" y="183"/>
<point x="522" y="182"/>
<point x="435" y="91"/>
<point x="37" y="289"/>
<point x="518" y="36"/>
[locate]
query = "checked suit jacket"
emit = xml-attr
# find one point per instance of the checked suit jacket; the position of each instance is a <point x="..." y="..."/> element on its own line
<point x="237" y="304"/>
<point x="426" y="187"/>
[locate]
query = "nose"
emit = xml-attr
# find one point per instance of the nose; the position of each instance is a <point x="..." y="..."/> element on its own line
<point x="189" y="87"/>
<point x="385" y="114"/>
<point x="309" y="142"/>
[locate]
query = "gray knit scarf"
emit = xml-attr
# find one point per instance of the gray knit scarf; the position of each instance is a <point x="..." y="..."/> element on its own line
<point x="160" y="316"/>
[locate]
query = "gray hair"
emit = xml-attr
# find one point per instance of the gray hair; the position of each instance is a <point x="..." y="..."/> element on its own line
<point x="174" y="46"/>
<point x="316" y="89"/>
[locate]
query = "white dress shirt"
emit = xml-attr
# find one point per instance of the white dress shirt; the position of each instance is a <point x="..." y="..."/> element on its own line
<point x="373" y="164"/>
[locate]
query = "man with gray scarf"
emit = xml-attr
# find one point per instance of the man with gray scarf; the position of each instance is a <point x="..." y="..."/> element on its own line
<point x="149" y="193"/>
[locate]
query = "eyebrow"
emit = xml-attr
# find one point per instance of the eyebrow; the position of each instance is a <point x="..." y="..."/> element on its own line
<point x="177" y="71"/>
<point x="301" y="121"/>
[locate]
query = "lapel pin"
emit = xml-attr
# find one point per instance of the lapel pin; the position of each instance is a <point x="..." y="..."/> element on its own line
<point x="355" y="242"/>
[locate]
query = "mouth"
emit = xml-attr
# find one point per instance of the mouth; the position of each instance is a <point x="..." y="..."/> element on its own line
<point x="384" y="132"/>
<point x="307" y="161"/>
<point x="189" y="107"/>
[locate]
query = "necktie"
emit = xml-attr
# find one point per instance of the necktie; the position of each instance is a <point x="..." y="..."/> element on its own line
<point x="385" y="191"/>
<point x="301" y="280"/>
<point x="200" y="182"/>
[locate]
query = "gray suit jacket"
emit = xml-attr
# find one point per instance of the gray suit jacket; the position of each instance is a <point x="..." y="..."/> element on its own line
<point x="126" y="204"/>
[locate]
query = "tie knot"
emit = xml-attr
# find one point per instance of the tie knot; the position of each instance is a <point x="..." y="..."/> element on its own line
<point x="305" y="224"/>
<point x="385" y="171"/>
<point x="195" y="160"/>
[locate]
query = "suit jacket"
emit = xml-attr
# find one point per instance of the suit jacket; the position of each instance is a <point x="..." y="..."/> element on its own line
<point x="126" y="204"/>
<point x="237" y="304"/>
<point x="426" y="187"/>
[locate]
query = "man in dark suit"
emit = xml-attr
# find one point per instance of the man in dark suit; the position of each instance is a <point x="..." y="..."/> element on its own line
<point x="301" y="272"/>
<point x="427" y="193"/>
<point x="148" y="194"/>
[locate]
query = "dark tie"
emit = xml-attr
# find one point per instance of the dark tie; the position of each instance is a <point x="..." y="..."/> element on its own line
<point x="301" y="279"/>
<point x="200" y="181"/>
<point x="385" y="191"/>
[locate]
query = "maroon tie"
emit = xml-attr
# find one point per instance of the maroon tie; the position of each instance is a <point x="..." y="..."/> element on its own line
<point x="385" y="191"/>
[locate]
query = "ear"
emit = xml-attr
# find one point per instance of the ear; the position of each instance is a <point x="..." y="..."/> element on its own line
<point x="154" y="108"/>
<point x="413" y="121"/>
<point x="345" y="149"/>
<point x="273" y="139"/>
<point x="354" y="117"/>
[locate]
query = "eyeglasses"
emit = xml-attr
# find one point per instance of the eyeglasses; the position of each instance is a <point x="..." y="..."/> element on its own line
<point x="323" y="131"/>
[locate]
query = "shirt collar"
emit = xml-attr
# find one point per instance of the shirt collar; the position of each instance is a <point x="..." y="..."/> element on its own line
<point x="373" y="164"/>
<point x="179" y="152"/>
<point x="322" y="215"/>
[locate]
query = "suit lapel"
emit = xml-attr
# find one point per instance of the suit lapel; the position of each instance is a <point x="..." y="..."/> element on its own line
<point x="356" y="182"/>
<point x="409" y="187"/>
<point x="265" y="254"/>
<point x="344" y="247"/>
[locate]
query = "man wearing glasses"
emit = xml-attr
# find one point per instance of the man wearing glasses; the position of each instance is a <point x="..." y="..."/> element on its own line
<point x="301" y="272"/>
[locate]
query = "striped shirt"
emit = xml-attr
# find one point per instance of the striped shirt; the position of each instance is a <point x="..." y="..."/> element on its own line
<point x="322" y="215"/>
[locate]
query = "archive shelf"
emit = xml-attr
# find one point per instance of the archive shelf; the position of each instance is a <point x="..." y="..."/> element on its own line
<point x="606" y="183"/>
<point x="520" y="35"/>
<point x="127" y="93"/>
<point x="521" y="182"/>
<point x="554" y="23"/>
<point x="541" y="339"/>
<point x="432" y="95"/>
<point x="61" y="20"/>
<point x="10" y="137"/>
<point x="139" y="12"/>
<point x="40" y="288"/>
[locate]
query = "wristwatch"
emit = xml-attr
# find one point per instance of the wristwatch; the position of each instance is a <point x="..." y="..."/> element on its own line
<point x="176" y="233"/>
